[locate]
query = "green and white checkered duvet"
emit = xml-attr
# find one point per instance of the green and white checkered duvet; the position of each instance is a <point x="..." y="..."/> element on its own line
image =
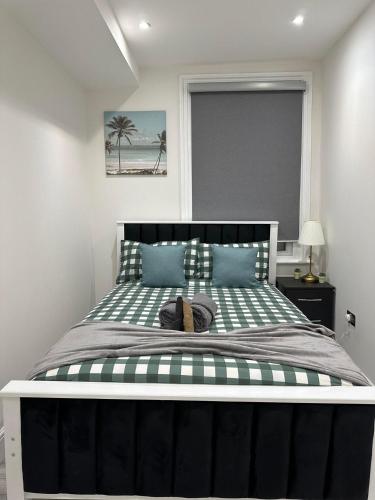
<point x="237" y="308"/>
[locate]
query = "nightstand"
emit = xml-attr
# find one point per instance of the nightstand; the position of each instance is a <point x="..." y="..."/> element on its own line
<point x="315" y="300"/>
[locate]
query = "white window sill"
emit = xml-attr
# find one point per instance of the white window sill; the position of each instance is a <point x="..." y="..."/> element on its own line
<point x="281" y="259"/>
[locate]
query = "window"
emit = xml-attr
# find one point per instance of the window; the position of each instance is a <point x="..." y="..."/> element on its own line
<point x="243" y="143"/>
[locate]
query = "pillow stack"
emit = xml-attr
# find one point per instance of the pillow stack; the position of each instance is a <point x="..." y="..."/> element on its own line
<point x="230" y="265"/>
<point x="131" y="259"/>
<point x="205" y="258"/>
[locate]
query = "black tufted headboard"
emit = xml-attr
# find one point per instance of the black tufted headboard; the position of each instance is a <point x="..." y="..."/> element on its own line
<point x="208" y="232"/>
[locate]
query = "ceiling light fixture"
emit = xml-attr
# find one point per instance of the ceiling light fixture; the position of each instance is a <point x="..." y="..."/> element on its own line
<point x="144" y="25"/>
<point x="298" y="20"/>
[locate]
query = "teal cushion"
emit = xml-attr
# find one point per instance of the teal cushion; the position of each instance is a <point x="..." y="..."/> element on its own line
<point x="163" y="266"/>
<point x="234" y="267"/>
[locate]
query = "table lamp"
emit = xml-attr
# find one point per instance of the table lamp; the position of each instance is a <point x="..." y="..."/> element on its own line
<point x="311" y="235"/>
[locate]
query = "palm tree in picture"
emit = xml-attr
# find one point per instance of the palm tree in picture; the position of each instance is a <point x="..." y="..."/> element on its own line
<point x="121" y="127"/>
<point x="108" y="147"/>
<point x="162" y="149"/>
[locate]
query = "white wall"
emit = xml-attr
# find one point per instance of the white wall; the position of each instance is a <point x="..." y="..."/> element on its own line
<point x="348" y="181"/>
<point x="144" y="198"/>
<point x="46" y="269"/>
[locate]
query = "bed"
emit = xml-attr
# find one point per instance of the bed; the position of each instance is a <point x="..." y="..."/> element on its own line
<point x="190" y="425"/>
<point x="238" y="308"/>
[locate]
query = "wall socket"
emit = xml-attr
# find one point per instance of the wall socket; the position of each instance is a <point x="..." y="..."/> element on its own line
<point x="350" y="318"/>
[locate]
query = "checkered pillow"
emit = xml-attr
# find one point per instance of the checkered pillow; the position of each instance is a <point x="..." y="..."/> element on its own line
<point x="205" y="260"/>
<point x="131" y="260"/>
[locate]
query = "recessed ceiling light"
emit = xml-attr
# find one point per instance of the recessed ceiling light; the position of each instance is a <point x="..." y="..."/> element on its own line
<point x="298" y="20"/>
<point x="144" y="25"/>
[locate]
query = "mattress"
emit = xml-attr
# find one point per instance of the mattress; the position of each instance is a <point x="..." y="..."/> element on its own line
<point x="237" y="308"/>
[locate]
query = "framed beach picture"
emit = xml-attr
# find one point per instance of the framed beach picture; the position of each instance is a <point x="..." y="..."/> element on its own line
<point x="135" y="142"/>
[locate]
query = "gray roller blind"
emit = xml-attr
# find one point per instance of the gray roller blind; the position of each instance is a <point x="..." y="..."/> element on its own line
<point x="246" y="157"/>
<point x="246" y="86"/>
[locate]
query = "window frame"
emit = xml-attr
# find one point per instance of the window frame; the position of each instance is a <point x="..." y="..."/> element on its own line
<point x="185" y="141"/>
<point x="292" y="254"/>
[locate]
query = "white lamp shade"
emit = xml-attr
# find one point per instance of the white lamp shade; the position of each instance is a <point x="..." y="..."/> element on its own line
<point x="311" y="234"/>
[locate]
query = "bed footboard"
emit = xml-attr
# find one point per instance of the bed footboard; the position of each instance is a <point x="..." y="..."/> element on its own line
<point x="188" y="441"/>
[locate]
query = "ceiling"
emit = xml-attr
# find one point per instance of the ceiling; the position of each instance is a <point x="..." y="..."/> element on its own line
<point x="99" y="41"/>
<point x="82" y="36"/>
<point x="215" y="31"/>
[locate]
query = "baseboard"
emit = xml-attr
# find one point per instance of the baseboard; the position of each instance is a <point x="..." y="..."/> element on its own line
<point x="2" y="451"/>
<point x="2" y="465"/>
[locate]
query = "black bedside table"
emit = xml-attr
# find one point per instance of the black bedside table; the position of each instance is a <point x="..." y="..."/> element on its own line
<point x="315" y="300"/>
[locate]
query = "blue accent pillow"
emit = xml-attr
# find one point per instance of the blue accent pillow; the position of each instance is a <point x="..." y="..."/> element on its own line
<point x="163" y="266"/>
<point x="234" y="267"/>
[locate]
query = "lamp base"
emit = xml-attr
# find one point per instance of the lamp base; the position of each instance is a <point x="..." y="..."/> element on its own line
<point x="310" y="278"/>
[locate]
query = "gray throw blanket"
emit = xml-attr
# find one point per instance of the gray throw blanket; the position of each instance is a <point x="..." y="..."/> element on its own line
<point x="204" y="310"/>
<point x="305" y="345"/>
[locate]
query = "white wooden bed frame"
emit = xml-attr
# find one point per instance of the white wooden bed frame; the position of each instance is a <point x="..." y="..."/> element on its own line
<point x="17" y="389"/>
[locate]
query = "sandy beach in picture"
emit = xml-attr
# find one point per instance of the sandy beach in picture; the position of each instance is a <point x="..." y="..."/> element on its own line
<point x="128" y="168"/>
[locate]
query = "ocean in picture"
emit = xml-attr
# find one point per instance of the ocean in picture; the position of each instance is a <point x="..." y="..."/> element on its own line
<point x="135" y="142"/>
